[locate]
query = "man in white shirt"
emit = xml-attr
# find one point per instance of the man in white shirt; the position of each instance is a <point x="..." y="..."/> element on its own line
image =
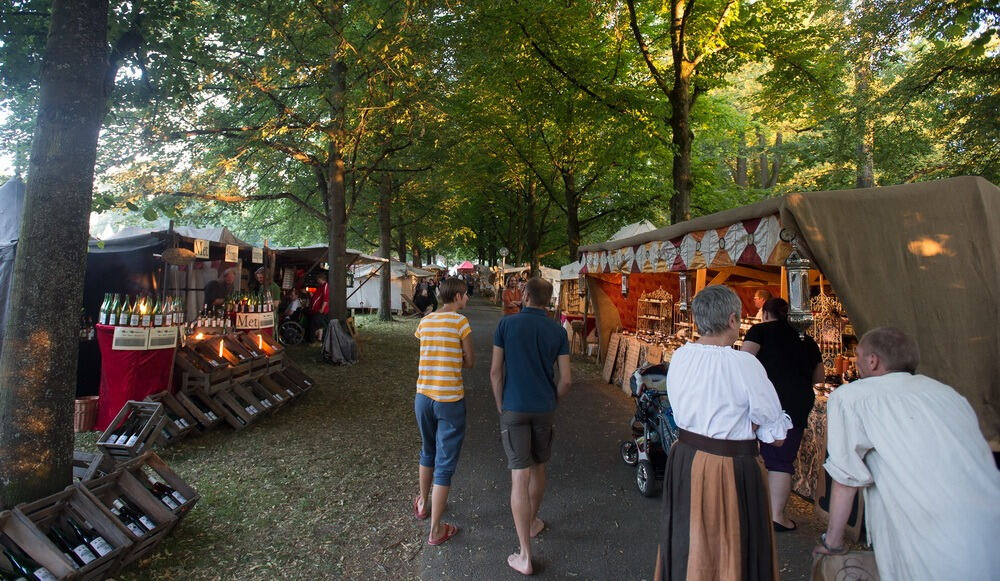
<point x="932" y="490"/>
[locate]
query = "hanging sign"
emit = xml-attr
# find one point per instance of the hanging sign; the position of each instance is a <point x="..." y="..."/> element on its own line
<point x="232" y="253"/>
<point x="162" y="338"/>
<point x="257" y="256"/>
<point x="254" y="320"/>
<point x="200" y="248"/>
<point x="130" y="339"/>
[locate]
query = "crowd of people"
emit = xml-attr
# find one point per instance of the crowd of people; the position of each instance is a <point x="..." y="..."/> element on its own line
<point x="910" y="443"/>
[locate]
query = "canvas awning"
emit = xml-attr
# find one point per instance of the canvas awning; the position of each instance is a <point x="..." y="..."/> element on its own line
<point x="570" y="271"/>
<point x="318" y="253"/>
<point x="922" y="257"/>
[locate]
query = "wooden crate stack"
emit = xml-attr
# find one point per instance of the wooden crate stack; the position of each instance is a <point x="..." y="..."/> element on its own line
<point x="145" y="420"/>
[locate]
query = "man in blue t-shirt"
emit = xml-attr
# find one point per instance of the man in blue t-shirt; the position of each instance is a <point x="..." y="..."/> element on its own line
<point x="526" y="348"/>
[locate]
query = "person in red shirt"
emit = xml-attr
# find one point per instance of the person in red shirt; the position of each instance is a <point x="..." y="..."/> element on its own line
<point x="319" y="307"/>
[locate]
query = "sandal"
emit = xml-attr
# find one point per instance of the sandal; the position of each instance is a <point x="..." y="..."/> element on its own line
<point x="449" y="532"/>
<point x="416" y="511"/>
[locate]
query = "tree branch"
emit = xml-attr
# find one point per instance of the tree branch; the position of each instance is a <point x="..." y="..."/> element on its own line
<point x="239" y="199"/>
<point x="644" y="48"/>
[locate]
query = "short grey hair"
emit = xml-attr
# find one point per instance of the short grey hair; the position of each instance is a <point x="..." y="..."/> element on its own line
<point x="712" y="307"/>
<point x="897" y="350"/>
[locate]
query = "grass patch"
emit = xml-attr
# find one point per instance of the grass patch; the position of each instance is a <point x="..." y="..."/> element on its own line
<point x="321" y="489"/>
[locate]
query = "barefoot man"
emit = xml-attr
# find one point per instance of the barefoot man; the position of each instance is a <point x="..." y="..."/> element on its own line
<point x="526" y="348"/>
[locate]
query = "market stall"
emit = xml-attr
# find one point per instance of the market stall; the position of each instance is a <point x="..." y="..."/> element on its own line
<point x="921" y="257"/>
<point x="367" y="290"/>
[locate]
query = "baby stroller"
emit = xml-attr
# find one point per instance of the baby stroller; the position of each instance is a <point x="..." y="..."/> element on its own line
<point x="653" y="428"/>
<point x="292" y="329"/>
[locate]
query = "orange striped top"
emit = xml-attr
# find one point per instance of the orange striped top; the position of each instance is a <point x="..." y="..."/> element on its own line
<point x="440" y="370"/>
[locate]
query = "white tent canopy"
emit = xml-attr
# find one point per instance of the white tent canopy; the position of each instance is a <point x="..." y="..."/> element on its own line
<point x="633" y="230"/>
<point x="367" y="290"/>
<point x="570" y="271"/>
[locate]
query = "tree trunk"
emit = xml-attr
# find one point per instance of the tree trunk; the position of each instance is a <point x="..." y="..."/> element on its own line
<point x="572" y="213"/>
<point x="385" y="245"/>
<point x="38" y="365"/>
<point x="418" y="260"/>
<point x="763" y="175"/>
<point x="401" y="244"/>
<point x="680" y="119"/>
<point x="336" y="188"/>
<point x="741" y="164"/>
<point x="776" y="164"/>
<point x="862" y="96"/>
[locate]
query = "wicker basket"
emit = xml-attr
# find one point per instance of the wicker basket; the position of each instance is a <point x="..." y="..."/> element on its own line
<point x="85" y="413"/>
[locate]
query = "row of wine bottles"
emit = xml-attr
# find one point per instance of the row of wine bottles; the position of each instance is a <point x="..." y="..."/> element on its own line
<point x="128" y="431"/>
<point x="81" y="545"/>
<point x="132" y="517"/>
<point x="169" y="496"/>
<point x="250" y="302"/>
<point x="140" y="311"/>
<point x="21" y="566"/>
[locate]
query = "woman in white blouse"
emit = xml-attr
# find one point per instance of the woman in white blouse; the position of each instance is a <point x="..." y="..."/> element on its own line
<point x="716" y="523"/>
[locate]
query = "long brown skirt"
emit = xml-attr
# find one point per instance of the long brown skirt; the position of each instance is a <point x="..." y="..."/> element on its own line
<point x="716" y="521"/>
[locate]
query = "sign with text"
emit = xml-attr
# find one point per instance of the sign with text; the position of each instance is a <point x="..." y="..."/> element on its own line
<point x="162" y="338"/>
<point x="232" y="253"/>
<point x="200" y="248"/>
<point x="254" y="320"/>
<point x="130" y="339"/>
<point x="257" y="255"/>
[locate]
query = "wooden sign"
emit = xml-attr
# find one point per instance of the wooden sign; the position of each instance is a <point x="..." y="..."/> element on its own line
<point x="200" y="248"/>
<point x="130" y="339"/>
<point x="631" y="363"/>
<point x="232" y="253"/>
<point x="612" y="354"/>
<point x="257" y="255"/>
<point x="254" y="320"/>
<point x="162" y="338"/>
<point x="654" y="354"/>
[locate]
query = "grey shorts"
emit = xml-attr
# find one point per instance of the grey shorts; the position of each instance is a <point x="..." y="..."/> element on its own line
<point x="526" y="437"/>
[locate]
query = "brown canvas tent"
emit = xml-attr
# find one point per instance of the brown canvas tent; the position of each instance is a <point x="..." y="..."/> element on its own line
<point x="923" y="257"/>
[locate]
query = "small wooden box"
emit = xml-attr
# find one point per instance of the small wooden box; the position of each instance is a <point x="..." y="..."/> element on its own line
<point x="258" y="357"/>
<point x="150" y="467"/>
<point x="177" y="428"/>
<point x="278" y="394"/>
<point x="152" y="421"/>
<point x="34" y="544"/>
<point x="276" y="384"/>
<point x="232" y="352"/>
<point x="199" y="371"/>
<point x="274" y="350"/>
<point x="247" y="393"/>
<point x="72" y="502"/>
<point x="236" y="413"/>
<point x="194" y="401"/>
<point x="298" y="377"/>
<point x="88" y="465"/>
<point x="103" y="492"/>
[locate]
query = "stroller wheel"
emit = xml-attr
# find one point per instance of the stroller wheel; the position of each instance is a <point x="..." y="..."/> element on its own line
<point x="291" y="333"/>
<point x="629" y="452"/>
<point x="645" y="478"/>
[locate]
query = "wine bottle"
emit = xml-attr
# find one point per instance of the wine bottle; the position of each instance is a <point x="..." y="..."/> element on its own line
<point x="204" y="409"/>
<point x="145" y="313"/>
<point x="102" y="312"/>
<point x="157" y="312"/>
<point x="137" y="427"/>
<point x="117" y="432"/>
<point x="6" y="575"/>
<point x="25" y="566"/>
<point x="79" y="551"/>
<point x="124" y="504"/>
<point x="91" y="537"/>
<point x="122" y="435"/>
<point x="129" y="522"/>
<point x="180" y="498"/>
<point x="63" y="547"/>
<point x="163" y="495"/>
<point x="134" y="314"/>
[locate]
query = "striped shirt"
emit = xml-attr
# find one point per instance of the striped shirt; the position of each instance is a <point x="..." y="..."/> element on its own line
<point x="440" y="369"/>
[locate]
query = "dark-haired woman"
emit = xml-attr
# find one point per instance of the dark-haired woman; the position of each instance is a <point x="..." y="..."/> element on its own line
<point x="793" y="365"/>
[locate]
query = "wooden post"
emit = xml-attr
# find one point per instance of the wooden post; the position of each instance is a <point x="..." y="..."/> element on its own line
<point x="700" y="277"/>
<point x="586" y="303"/>
<point x="784" y="283"/>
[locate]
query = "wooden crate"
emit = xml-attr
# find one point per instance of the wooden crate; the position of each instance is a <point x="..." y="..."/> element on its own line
<point x="181" y="424"/>
<point x="198" y="371"/>
<point x="258" y="358"/>
<point x="33" y="543"/>
<point x="103" y="492"/>
<point x="88" y="465"/>
<point x="278" y="394"/>
<point x="274" y="350"/>
<point x="298" y="377"/>
<point x="235" y="413"/>
<point x="274" y="385"/>
<point x="277" y="399"/>
<point x="262" y="403"/>
<point x="153" y="421"/>
<point x="194" y="401"/>
<point x="72" y="502"/>
<point x="231" y="352"/>
<point x="151" y="468"/>
<point x="286" y="383"/>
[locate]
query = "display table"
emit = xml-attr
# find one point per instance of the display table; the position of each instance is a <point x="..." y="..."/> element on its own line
<point x="569" y="318"/>
<point x="129" y="375"/>
<point x="808" y="464"/>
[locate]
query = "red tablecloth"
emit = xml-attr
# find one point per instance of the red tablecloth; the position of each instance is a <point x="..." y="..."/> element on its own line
<point x="129" y="375"/>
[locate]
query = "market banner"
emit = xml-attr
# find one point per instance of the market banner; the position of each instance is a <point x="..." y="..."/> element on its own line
<point x="162" y="338"/>
<point x="232" y="253"/>
<point x="130" y="339"/>
<point x="257" y="255"/>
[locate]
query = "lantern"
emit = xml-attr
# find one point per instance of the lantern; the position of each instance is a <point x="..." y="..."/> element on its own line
<point x="581" y="285"/>
<point x="799" y="306"/>
<point x="350" y="278"/>
<point x="684" y="300"/>
<point x="624" y="285"/>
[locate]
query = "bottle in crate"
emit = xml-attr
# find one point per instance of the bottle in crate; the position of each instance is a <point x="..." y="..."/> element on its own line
<point x="22" y="566"/>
